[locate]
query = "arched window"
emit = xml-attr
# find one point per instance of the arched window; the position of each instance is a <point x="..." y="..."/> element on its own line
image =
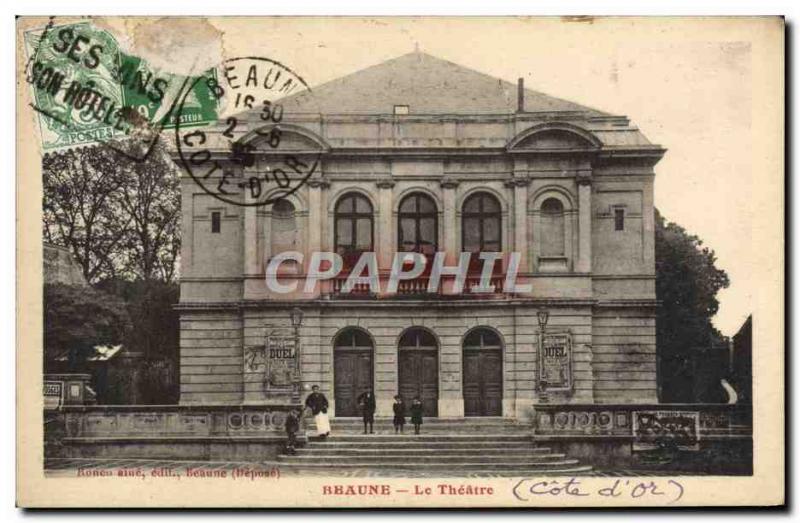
<point x="482" y="339"/>
<point x="353" y="228"/>
<point x="417" y="225"/>
<point x="283" y="228"/>
<point x="552" y="227"/>
<point x="480" y="224"/>
<point x="416" y="338"/>
<point x="352" y="338"/>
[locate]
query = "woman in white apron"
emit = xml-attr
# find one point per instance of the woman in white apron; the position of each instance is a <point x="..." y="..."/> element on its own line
<point x="318" y="403"/>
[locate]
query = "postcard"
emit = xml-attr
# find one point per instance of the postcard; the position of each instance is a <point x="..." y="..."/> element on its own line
<point x="439" y="262"/>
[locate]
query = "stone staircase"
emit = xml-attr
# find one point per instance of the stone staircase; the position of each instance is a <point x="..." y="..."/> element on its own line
<point x="445" y="447"/>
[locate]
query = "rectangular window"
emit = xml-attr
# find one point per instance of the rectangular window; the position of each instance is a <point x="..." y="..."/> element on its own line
<point x="619" y="219"/>
<point x="400" y="109"/>
<point x="215" y="221"/>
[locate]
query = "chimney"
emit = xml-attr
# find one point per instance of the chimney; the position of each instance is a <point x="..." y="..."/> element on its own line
<point x="520" y="95"/>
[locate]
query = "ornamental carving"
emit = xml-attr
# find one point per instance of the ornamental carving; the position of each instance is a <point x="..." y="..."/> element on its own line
<point x="256" y="420"/>
<point x="585" y="422"/>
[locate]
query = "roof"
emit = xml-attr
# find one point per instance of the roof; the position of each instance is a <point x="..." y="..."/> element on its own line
<point x="428" y="85"/>
<point x="101" y="353"/>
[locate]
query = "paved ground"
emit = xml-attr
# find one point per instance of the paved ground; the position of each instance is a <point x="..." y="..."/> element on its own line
<point x="70" y="467"/>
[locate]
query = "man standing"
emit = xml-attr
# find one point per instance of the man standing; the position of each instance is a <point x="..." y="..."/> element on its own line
<point x="367" y="403"/>
<point x="318" y="403"/>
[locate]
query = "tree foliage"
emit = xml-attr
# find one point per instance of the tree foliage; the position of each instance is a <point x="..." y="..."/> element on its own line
<point x="78" y="317"/>
<point x="687" y="283"/>
<point x="149" y="305"/>
<point x="151" y="199"/>
<point x="81" y="207"/>
<point x="118" y="216"/>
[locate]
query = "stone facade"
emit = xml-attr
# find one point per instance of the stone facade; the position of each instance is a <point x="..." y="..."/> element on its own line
<point x="575" y="194"/>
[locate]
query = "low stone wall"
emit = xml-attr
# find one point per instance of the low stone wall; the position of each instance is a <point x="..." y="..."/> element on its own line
<point x="613" y="435"/>
<point x="174" y="432"/>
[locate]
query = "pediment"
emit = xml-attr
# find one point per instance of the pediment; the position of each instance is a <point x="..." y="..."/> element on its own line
<point x="292" y="138"/>
<point x="554" y="138"/>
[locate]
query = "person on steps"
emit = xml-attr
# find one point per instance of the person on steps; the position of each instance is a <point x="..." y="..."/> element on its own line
<point x="292" y="425"/>
<point x="318" y="403"/>
<point x="416" y="414"/>
<point x="399" y="409"/>
<point x="367" y="403"/>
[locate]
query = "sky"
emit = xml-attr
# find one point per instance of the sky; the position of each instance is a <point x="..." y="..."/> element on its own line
<point x="688" y="86"/>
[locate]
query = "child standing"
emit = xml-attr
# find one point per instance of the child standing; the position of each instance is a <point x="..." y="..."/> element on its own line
<point x="399" y="414"/>
<point x="292" y="426"/>
<point x="416" y="414"/>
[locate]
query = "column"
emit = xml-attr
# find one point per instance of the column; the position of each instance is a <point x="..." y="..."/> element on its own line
<point x="317" y="219"/>
<point x="584" y="223"/>
<point x="326" y="235"/>
<point x="250" y="239"/>
<point x="315" y="212"/>
<point x="449" y="225"/>
<point x="451" y="394"/>
<point x="520" y="188"/>
<point x="385" y="251"/>
<point x="649" y="227"/>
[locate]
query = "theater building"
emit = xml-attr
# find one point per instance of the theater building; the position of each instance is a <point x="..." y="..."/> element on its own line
<point x="418" y="154"/>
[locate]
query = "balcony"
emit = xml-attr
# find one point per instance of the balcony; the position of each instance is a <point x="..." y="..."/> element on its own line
<point x="359" y="290"/>
<point x="418" y="288"/>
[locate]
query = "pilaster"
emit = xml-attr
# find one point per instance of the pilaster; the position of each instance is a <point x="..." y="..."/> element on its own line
<point x="584" y="222"/>
<point x="385" y="233"/>
<point x="449" y="186"/>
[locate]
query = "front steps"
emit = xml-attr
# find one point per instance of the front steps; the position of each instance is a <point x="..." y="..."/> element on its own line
<point x="487" y="425"/>
<point x="494" y="446"/>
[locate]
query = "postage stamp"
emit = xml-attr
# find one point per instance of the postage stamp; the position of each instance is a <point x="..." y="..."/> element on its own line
<point x="87" y="90"/>
<point x="354" y="262"/>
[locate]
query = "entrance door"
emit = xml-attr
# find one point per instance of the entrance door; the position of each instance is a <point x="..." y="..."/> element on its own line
<point x="352" y="370"/>
<point x="418" y="370"/>
<point x="483" y="374"/>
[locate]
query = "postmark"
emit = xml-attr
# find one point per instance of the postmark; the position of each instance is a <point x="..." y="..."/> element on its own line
<point x="88" y="90"/>
<point x="247" y="159"/>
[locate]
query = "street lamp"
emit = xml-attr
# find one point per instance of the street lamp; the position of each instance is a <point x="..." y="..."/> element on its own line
<point x="542" y="315"/>
<point x="296" y="317"/>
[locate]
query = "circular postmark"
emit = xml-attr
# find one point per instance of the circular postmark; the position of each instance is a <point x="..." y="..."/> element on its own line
<point x="252" y="156"/>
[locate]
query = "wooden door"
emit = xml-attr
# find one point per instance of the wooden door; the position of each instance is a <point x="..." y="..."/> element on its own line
<point x="418" y="371"/>
<point x="483" y="382"/>
<point x="352" y="373"/>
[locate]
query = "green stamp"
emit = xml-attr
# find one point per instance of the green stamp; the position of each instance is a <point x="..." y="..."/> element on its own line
<point x="200" y="109"/>
<point x="87" y="90"/>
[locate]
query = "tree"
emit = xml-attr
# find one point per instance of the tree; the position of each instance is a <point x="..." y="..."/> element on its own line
<point x="150" y="307"/>
<point x="81" y="208"/>
<point x="151" y="200"/>
<point x="687" y="283"/>
<point x="78" y="317"/>
<point x="119" y="216"/>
